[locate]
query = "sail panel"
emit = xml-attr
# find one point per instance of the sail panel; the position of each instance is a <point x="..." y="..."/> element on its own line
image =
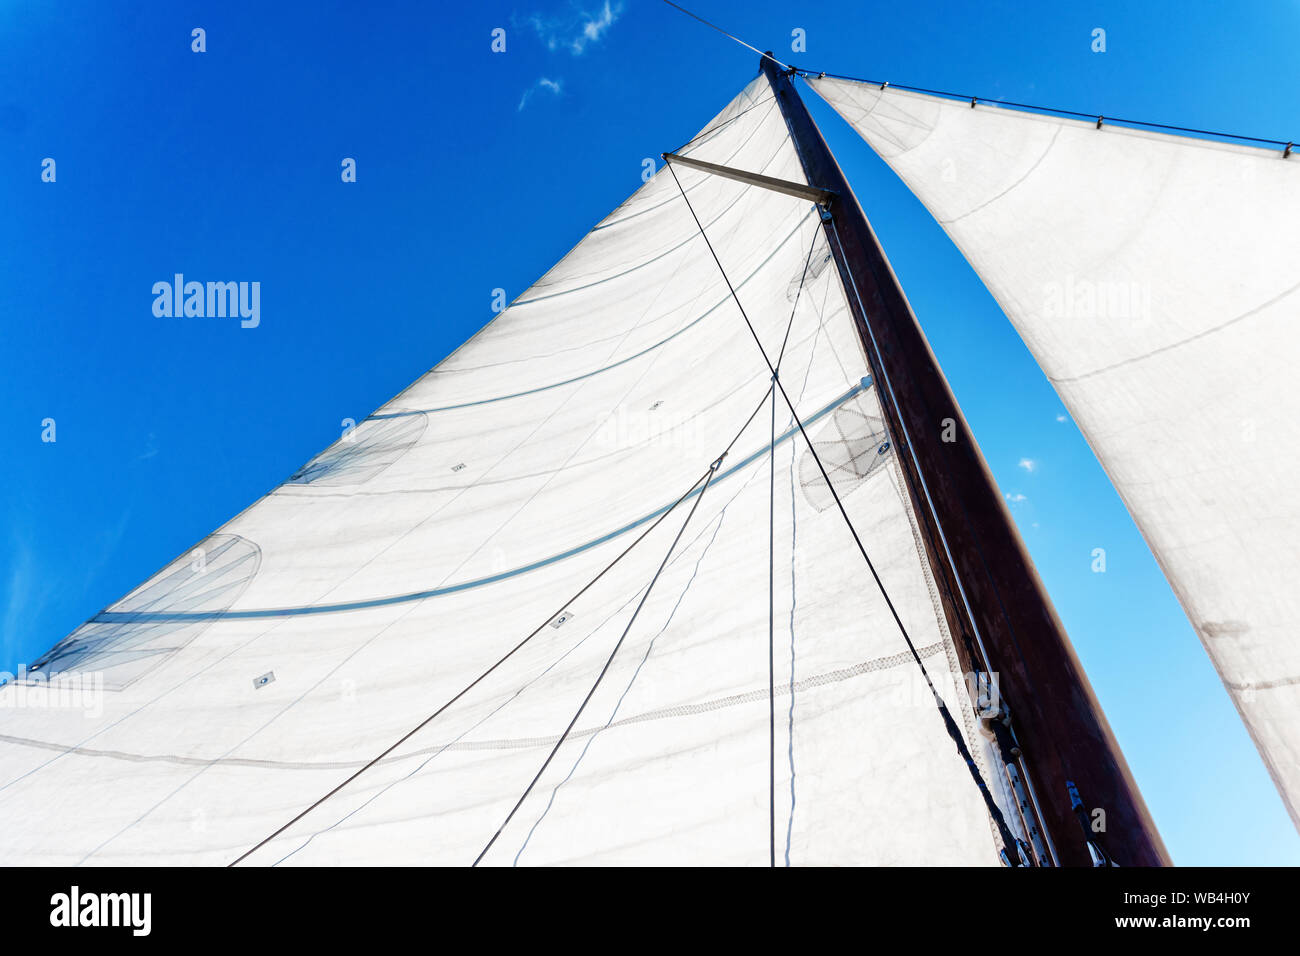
<point x="394" y="569"/>
<point x="1156" y="281"/>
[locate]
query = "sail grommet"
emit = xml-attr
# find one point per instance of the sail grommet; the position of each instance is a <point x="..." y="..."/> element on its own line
<point x="884" y="84"/>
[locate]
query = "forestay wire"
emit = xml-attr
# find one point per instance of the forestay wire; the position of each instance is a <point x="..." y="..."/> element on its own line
<point x="973" y="100"/>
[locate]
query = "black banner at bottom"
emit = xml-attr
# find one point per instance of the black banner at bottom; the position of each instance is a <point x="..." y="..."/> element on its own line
<point x="251" y="907"/>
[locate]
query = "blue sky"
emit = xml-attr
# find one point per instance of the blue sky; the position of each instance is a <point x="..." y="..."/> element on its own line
<point x="478" y="170"/>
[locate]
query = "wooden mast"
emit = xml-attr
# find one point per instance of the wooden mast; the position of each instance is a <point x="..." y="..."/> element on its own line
<point x="974" y="550"/>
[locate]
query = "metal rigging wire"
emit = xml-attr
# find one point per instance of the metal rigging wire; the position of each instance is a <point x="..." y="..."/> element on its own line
<point x="1011" y="846"/>
<point x="966" y="97"/>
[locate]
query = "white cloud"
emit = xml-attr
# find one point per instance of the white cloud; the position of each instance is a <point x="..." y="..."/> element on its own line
<point x="575" y="30"/>
<point x="593" y="27"/>
<point x="543" y="83"/>
<point x="1028" y="464"/>
<point x="151" y="451"/>
<point x="1016" y="497"/>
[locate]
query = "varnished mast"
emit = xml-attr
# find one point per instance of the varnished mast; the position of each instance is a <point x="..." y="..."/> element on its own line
<point x="997" y="609"/>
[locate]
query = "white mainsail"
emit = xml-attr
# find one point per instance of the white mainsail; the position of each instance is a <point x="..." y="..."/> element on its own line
<point x="245" y="681"/>
<point x="1156" y="280"/>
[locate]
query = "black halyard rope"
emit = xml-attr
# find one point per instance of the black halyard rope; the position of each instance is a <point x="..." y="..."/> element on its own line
<point x="713" y="129"/>
<point x="771" y="393"/>
<point x="995" y="812"/>
<point x="481" y="677"/>
<point x="475" y="682"/>
<point x="713" y="469"/>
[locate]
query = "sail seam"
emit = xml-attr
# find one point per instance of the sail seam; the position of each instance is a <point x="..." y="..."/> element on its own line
<point x="1028" y="172"/>
<point x="823" y="679"/>
<point x="705" y="478"/>
<point x="542" y="388"/>
<point x="1179" y="344"/>
<point x="713" y="469"/>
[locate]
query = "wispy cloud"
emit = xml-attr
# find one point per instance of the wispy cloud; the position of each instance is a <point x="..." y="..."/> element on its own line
<point x="1028" y="464"/>
<point x="1060" y="418"/>
<point x="151" y="449"/>
<point x="543" y="83"/>
<point x="575" y="29"/>
<point x="108" y="541"/>
<point x="1016" y="497"/>
<point x="595" y="26"/>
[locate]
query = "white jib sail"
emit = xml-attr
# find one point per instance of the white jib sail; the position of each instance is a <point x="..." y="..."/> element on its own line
<point x="1156" y="279"/>
<point x="245" y="681"/>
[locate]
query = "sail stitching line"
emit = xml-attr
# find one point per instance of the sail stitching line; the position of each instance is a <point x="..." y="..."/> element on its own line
<point x="110" y="616"/>
<point x="771" y="608"/>
<point x="771" y="564"/>
<point x="542" y="388"/>
<point x="458" y="743"/>
<point x="420" y="726"/>
<point x="697" y="139"/>
<point x="574" y="453"/>
<point x="794" y="541"/>
<point x="373" y="761"/>
<point x="1174" y="345"/>
<point x="705" y="478"/>
<point x="1028" y="172"/>
<point x="592" y="733"/>
<point x="949" y="724"/>
<point x="609" y="661"/>
<point x="432" y="753"/>
<point x="654" y="516"/>
<point x="630" y="269"/>
<point x="609" y="223"/>
<point x="822" y="679"/>
<point x="357" y="650"/>
<point x="871" y="665"/>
